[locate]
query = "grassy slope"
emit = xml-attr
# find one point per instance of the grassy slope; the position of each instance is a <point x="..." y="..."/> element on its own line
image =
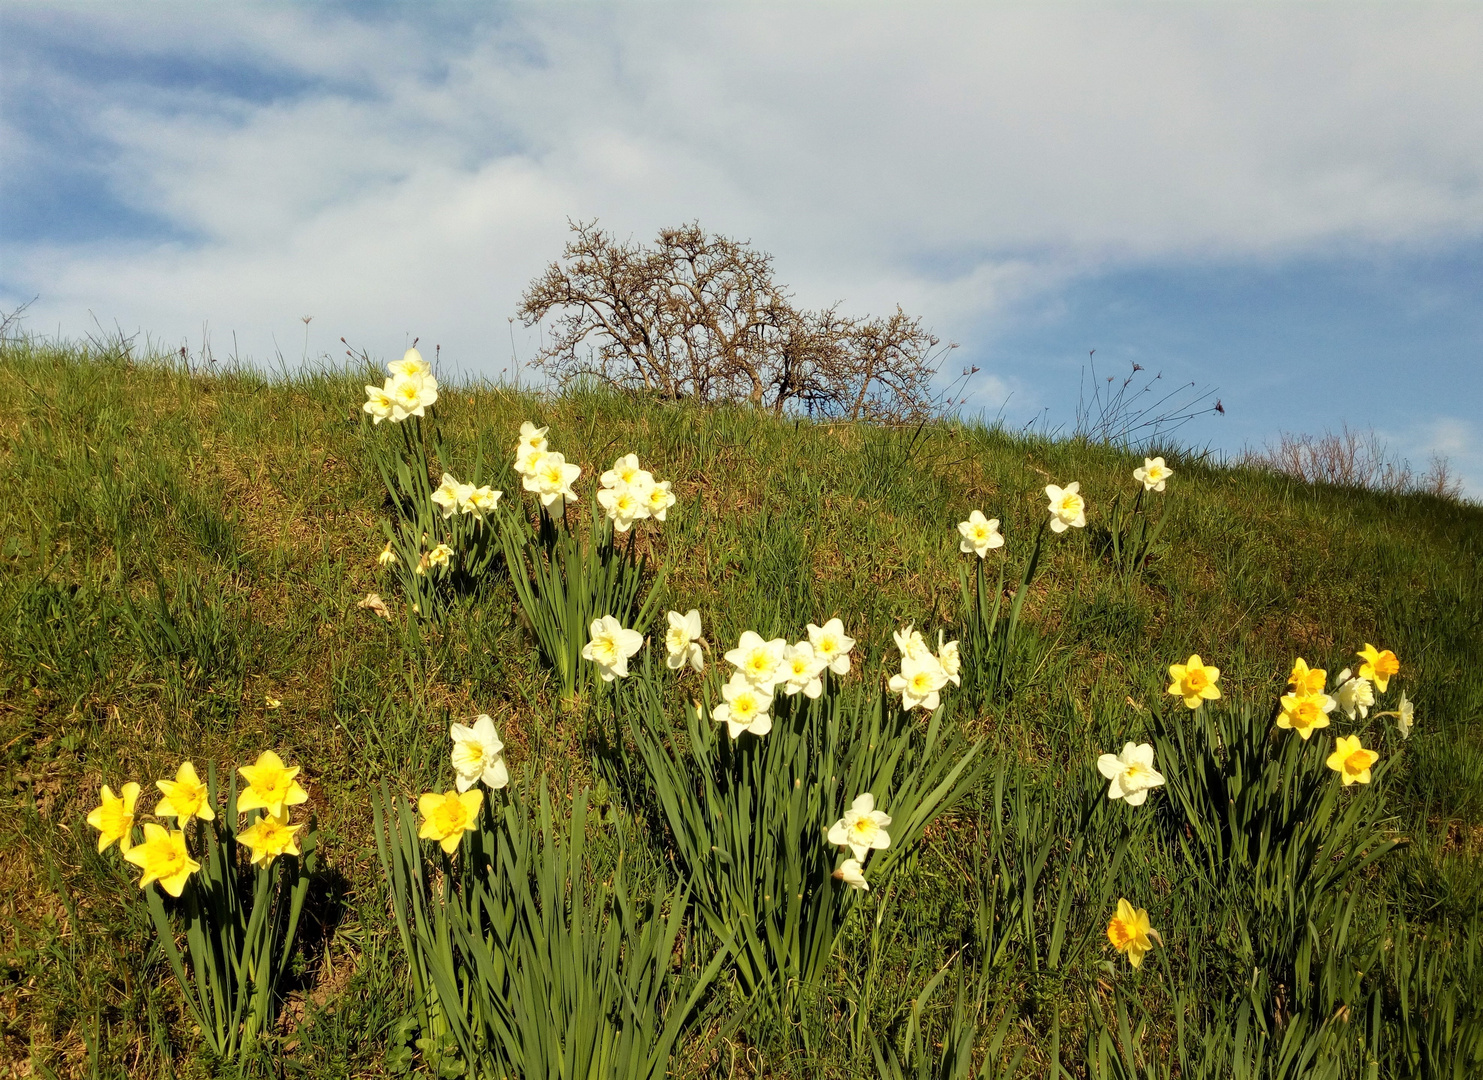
<point x="257" y="505"/>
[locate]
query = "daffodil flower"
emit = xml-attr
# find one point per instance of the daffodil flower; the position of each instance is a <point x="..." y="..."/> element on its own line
<point x="378" y="402"/>
<point x="1351" y="760"/>
<point x="852" y="874"/>
<point x="609" y="646"/>
<point x="1306" y="680"/>
<point x="185" y="797"/>
<point x="760" y="661"/>
<point x="478" y="755"/>
<point x="387" y="556"/>
<point x="531" y="445"/>
<point x="411" y="365"/>
<point x="802" y="671"/>
<point x="446" y="496"/>
<point x="411" y="395"/>
<point x="832" y="645"/>
<point x="1194" y="681"/>
<point x="949" y="660"/>
<point x="626" y="471"/>
<point x="659" y="498"/>
<point x="980" y="535"/>
<point x="862" y="829"/>
<point x="682" y="641"/>
<point x="481" y="501"/>
<point x="269" y="837"/>
<point x="1130" y="932"/>
<point x="1067" y="507"/>
<point x="114" y="817"/>
<point x="1355" y="696"/>
<point x="624" y="504"/>
<point x="1405" y="713"/>
<point x="1131" y="772"/>
<point x="1379" y="666"/>
<point x="446" y="816"/>
<point x="911" y="644"/>
<point x="163" y="857"/>
<point x="271" y="785"/>
<point x="919" y="682"/>
<point x="1154" y="474"/>
<point x="440" y="556"/>
<point x="744" y="708"/>
<point x="551" y="477"/>
<point x="1305" y="713"/>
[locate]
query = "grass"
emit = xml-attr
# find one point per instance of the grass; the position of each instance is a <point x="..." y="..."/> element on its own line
<point x="178" y="547"/>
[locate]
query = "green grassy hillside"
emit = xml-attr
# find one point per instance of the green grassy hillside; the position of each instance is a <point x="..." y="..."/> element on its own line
<point x="178" y="551"/>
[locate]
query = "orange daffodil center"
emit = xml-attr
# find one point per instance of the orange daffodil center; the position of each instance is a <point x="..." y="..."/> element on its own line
<point x="1130" y="932"/>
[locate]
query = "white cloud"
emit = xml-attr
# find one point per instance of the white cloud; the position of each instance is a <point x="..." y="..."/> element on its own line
<point x="958" y="160"/>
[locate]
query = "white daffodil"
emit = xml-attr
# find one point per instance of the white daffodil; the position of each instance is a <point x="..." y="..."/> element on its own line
<point x="481" y="501"/>
<point x="609" y="646"/>
<point x="760" y="661"/>
<point x="1131" y="772"/>
<point x="832" y="645"/>
<point x="387" y="556"/>
<point x="911" y="644"/>
<point x="744" y="708"/>
<point x="411" y="364"/>
<point x="682" y="641"/>
<point x="531" y="445"/>
<point x="948" y="658"/>
<point x="919" y="682"/>
<point x="1067" y="508"/>
<point x="659" y="498"/>
<point x="626" y="470"/>
<point x="447" y="495"/>
<point x="1405" y="713"/>
<point x="411" y="395"/>
<point x="1355" y="696"/>
<point x="624" y="504"/>
<point x="440" y="555"/>
<point x="980" y="534"/>
<point x="803" y="670"/>
<point x="478" y="755"/>
<point x="378" y="402"/>
<point x="852" y="874"/>
<point x="551" y="478"/>
<point x="862" y="829"/>
<point x="1154" y="474"/>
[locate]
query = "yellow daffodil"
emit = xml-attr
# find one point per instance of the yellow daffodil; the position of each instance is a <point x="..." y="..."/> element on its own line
<point x="862" y="829"/>
<point x="1379" y="666"/>
<point x="682" y="641"/>
<point x="745" y="707"/>
<point x="271" y="785"/>
<point x="1131" y="772"/>
<point x="1306" y="680"/>
<point x="1067" y="507"/>
<point x="378" y="402"/>
<point x="1154" y="474"/>
<point x="852" y="874"/>
<point x="163" y="857"/>
<point x="269" y="837"/>
<point x="1130" y="932"/>
<point x="114" y="817"/>
<point x="1305" y="713"/>
<point x="270" y="702"/>
<point x="387" y="556"/>
<point x="185" y="797"/>
<point x="1351" y="760"/>
<point x="447" y="816"/>
<point x="1194" y="681"/>
<point x="831" y="643"/>
<point x="609" y="646"/>
<point x="979" y="535"/>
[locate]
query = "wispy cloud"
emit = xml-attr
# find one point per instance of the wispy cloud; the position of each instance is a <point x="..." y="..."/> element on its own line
<point x="399" y="173"/>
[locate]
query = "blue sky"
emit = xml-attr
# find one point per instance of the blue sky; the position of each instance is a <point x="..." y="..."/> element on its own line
<point x="1283" y="202"/>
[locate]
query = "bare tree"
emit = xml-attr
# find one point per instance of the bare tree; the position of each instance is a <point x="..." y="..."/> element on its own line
<point x="700" y="316"/>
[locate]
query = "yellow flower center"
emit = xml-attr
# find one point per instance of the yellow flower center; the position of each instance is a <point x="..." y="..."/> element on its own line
<point x="604" y="651"/>
<point x="677" y="639"/>
<point x="828" y="644"/>
<point x="744" y="704"/>
<point x="450" y="816"/>
<point x="1386" y="664"/>
<point x="468" y="756"/>
<point x="1121" y="934"/>
<point x="863" y="828"/>
<point x="1195" y="680"/>
<point x="1134" y="771"/>
<point x="759" y="662"/>
<point x="1357" y="762"/>
<point x="920" y="681"/>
